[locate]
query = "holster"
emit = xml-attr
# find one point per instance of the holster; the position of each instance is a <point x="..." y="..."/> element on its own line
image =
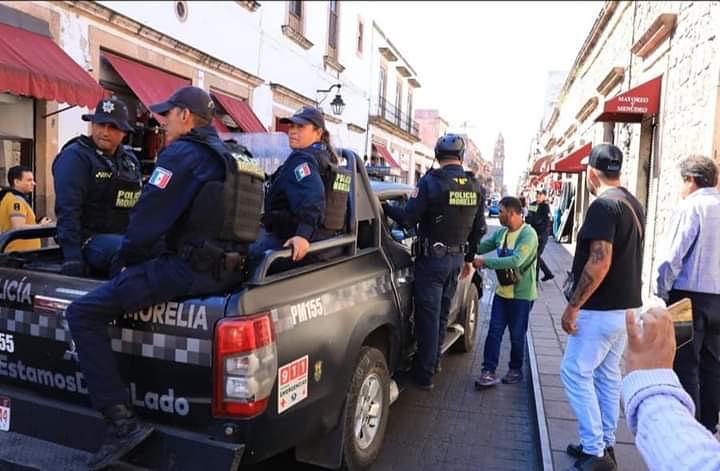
<point x="209" y="258"/>
<point x="428" y="248"/>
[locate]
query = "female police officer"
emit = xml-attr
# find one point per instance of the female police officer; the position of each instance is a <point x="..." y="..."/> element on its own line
<point x="307" y="196"/>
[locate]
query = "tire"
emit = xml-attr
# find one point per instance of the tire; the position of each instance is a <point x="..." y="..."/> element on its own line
<point x="361" y="448"/>
<point x="466" y="343"/>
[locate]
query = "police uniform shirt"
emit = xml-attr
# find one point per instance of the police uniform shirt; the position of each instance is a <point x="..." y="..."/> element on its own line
<point x="14" y="205"/>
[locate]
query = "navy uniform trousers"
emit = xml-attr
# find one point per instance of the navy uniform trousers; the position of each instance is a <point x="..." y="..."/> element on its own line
<point x="158" y="280"/>
<point x="436" y="281"/>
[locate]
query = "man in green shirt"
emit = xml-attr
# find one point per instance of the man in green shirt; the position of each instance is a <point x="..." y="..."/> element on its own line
<point x="516" y="248"/>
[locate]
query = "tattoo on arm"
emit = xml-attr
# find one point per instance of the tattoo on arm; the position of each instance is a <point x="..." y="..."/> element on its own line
<point x="593" y="273"/>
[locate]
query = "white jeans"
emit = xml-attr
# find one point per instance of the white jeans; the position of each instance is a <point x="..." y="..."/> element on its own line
<point x="590" y="372"/>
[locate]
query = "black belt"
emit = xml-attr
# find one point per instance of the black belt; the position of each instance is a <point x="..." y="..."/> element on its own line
<point x="429" y="248"/>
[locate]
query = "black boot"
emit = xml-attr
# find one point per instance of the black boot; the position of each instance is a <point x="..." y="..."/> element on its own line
<point x="124" y="432"/>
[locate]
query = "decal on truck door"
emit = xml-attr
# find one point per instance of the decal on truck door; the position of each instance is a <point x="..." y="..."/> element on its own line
<point x="292" y="383"/>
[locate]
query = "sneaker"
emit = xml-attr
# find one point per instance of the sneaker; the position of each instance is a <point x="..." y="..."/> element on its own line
<point x="594" y="463"/>
<point x="124" y="432"/>
<point x="547" y="277"/>
<point x="487" y="379"/>
<point x="513" y="376"/>
<point x="576" y="451"/>
<point x="407" y="379"/>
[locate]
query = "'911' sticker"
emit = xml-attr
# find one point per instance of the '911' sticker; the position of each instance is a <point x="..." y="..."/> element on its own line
<point x="292" y="383"/>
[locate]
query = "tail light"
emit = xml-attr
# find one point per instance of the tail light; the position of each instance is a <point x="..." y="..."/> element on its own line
<point x="245" y="365"/>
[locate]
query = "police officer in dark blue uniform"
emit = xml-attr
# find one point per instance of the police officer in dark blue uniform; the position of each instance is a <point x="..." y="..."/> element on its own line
<point x="448" y="204"/>
<point x="97" y="182"/>
<point x="193" y="186"/>
<point x="306" y="199"/>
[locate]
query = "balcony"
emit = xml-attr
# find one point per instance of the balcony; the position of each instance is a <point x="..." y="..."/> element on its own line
<point x="385" y="114"/>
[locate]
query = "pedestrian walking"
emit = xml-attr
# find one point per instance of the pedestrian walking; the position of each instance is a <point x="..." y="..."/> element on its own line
<point x="690" y="268"/>
<point x="516" y="247"/>
<point x="540" y="220"/>
<point x="448" y="206"/>
<point x="606" y="275"/>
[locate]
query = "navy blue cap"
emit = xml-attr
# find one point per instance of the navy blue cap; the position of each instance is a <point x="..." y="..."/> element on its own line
<point x="305" y="115"/>
<point x="195" y="99"/>
<point x="606" y="157"/>
<point x="110" y="111"/>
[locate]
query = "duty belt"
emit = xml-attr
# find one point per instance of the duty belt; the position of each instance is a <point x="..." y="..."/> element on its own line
<point x="429" y="248"/>
<point x="212" y="259"/>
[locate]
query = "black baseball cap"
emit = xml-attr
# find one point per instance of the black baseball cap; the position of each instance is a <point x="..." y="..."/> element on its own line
<point x="195" y="99"/>
<point x="606" y="157"/>
<point x="110" y="111"/>
<point x="305" y="115"/>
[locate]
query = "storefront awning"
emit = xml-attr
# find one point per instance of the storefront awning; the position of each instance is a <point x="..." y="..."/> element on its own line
<point x="240" y="112"/>
<point x="385" y="154"/>
<point x="151" y="85"/>
<point x="634" y="105"/>
<point x="572" y="163"/>
<point x="31" y="64"/>
<point x="541" y="165"/>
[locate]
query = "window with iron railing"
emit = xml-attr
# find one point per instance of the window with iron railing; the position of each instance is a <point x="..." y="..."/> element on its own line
<point x="295" y="18"/>
<point x="394" y="115"/>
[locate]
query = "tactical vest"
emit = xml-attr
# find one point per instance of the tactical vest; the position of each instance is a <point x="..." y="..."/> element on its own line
<point x="336" y="184"/>
<point x="124" y="192"/>
<point x="228" y="211"/>
<point x="451" y="216"/>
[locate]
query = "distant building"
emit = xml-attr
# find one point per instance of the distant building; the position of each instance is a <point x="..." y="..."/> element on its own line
<point x="499" y="164"/>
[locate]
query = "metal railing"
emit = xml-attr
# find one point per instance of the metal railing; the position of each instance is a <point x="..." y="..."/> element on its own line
<point x="389" y="112"/>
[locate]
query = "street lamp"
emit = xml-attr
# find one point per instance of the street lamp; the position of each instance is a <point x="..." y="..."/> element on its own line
<point x="337" y="105"/>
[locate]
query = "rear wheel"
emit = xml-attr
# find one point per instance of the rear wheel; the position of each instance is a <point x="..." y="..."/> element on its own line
<point x="366" y="416"/>
<point x="466" y="343"/>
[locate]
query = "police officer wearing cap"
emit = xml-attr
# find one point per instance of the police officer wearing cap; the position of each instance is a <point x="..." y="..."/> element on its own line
<point x="97" y="182"/>
<point x="448" y="204"/>
<point x="306" y="199"/>
<point x="192" y="189"/>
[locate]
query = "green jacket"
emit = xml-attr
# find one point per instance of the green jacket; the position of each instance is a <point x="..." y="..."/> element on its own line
<point x="524" y="243"/>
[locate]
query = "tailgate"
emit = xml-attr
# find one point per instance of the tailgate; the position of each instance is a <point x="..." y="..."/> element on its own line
<point x="164" y="352"/>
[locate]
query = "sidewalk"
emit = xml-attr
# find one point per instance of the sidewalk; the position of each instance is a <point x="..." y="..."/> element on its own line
<point x="549" y="342"/>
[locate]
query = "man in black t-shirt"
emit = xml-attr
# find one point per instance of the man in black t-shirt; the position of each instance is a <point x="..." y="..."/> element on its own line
<point x="539" y="218"/>
<point x="607" y="282"/>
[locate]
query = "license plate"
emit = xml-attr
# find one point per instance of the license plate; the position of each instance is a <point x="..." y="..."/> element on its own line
<point x="4" y="414"/>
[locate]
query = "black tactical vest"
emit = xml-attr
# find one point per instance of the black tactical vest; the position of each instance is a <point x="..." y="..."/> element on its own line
<point x="451" y="214"/>
<point x="125" y="186"/>
<point x="227" y="211"/>
<point x="336" y="184"/>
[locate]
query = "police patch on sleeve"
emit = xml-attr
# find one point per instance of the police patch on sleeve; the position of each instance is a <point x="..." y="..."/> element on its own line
<point x="302" y="171"/>
<point x="160" y="177"/>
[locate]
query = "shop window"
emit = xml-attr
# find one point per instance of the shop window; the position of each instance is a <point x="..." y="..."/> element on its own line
<point x="181" y="10"/>
<point x="609" y="133"/>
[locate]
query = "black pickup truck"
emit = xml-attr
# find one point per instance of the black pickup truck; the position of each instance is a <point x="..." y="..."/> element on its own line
<point x="299" y="359"/>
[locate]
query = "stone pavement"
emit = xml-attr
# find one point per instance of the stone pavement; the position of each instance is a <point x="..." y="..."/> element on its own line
<point x="549" y="342"/>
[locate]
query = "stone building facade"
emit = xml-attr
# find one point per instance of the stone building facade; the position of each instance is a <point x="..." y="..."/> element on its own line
<point x="647" y="78"/>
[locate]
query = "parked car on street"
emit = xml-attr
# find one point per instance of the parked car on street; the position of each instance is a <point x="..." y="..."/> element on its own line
<point x="301" y="359"/>
<point x="493" y="207"/>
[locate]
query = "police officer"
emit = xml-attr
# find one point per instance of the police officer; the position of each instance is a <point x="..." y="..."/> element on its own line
<point x="308" y="194"/>
<point x="194" y="184"/>
<point x="97" y="182"/>
<point x="448" y="204"/>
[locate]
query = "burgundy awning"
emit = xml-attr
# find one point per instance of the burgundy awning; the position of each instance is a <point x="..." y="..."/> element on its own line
<point x="33" y="65"/>
<point x="541" y="165"/>
<point x="151" y="85"/>
<point x="240" y="112"/>
<point x="633" y="105"/>
<point x="386" y="155"/>
<point x="572" y="163"/>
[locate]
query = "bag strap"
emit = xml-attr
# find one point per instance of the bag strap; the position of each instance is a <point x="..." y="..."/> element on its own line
<point x="624" y="200"/>
<point x="532" y="259"/>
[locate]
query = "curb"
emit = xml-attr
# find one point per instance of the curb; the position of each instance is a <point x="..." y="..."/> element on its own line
<point x="545" y="450"/>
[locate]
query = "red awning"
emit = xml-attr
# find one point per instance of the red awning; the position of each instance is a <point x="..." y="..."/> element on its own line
<point x="151" y="85"/>
<point x="633" y="105"/>
<point x="33" y="65"/>
<point x="541" y="165"/>
<point x="240" y="112"/>
<point x="572" y="163"/>
<point x="219" y="125"/>
<point x="385" y="154"/>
